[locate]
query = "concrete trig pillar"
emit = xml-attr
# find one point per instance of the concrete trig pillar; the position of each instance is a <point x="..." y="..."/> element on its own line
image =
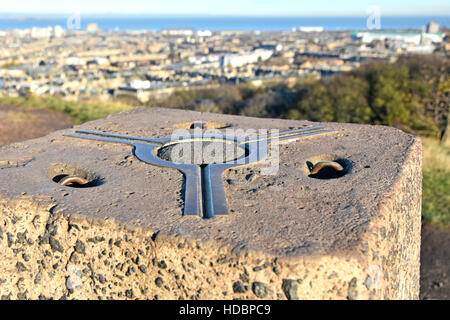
<point x="287" y="235"/>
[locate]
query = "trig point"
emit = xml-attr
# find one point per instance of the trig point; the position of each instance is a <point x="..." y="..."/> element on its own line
<point x="119" y="209"/>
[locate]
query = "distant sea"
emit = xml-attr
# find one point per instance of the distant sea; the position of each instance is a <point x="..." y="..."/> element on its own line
<point x="221" y="22"/>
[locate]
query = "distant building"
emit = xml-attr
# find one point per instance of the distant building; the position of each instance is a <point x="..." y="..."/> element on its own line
<point x="422" y="49"/>
<point x="415" y="37"/>
<point x="311" y="29"/>
<point x="432" y="27"/>
<point x="74" y="61"/>
<point x="243" y="58"/>
<point x="92" y="27"/>
<point x="154" y="48"/>
<point x="140" y="84"/>
<point x="271" y="47"/>
<point x="38" y="33"/>
<point x="178" y="32"/>
<point x="204" y="33"/>
<point x="58" y="32"/>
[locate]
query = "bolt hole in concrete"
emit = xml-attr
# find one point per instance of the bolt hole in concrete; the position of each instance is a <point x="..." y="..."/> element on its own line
<point x="327" y="167"/>
<point x="73" y="176"/>
<point x="206" y="125"/>
<point x="202" y="152"/>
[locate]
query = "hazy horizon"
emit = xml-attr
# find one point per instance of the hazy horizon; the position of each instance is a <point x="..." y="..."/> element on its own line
<point x="143" y="15"/>
<point x="229" y="8"/>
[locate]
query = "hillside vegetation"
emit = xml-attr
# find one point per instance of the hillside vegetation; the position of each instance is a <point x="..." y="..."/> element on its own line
<point x="436" y="182"/>
<point x="79" y="111"/>
<point x="412" y="94"/>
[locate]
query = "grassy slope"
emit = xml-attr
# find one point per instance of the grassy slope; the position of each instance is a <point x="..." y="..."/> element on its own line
<point x="436" y="165"/>
<point x="80" y="111"/>
<point x="436" y="182"/>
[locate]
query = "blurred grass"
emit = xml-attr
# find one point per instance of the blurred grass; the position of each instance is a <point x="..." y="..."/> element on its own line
<point x="79" y="111"/>
<point x="19" y="117"/>
<point x="436" y="182"/>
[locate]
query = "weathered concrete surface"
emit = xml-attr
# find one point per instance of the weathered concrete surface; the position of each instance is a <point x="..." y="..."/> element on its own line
<point x="287" y="235"/>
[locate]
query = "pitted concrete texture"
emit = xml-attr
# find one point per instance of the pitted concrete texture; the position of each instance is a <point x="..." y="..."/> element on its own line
<point x="287" y="236"/>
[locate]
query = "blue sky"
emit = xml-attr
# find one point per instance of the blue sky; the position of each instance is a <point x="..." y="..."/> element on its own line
<point x="228" y="7"/>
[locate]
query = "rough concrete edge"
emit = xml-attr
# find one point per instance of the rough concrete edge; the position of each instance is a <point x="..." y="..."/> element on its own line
<point x="329" y="278"/>
<point x="388" y="207"/>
